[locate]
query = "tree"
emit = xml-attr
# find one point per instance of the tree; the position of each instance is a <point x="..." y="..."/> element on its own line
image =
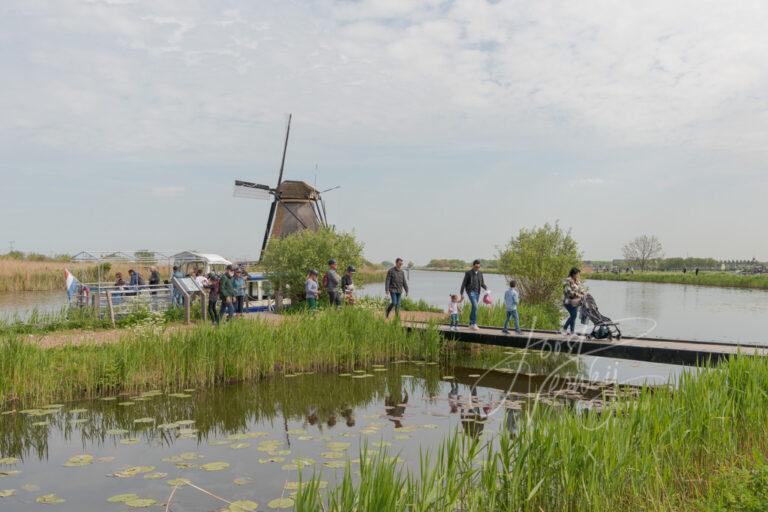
<point x="642" y="250"/>
<point x="288" y="260"/>
<point x="539" y="259"/>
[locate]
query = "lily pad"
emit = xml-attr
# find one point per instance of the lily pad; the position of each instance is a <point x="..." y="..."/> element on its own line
<point x="243" y="506"/>
<point x="168" y="426"/>
<point x="108" y="398"/>
<point x="122" y="498"/>
<point x="49" y="499"/>
<point x="78" y="461"/>
<point x="337" y="446"/>
<point x="30" y="487"/>
<point x="140" y="502"/>
<point x="272" y="459"/>
<point x="239" y="446"/>
<point x="10" y="472"/>
<point x="448" y="377"/>
<point x="242" y="481"/>
<point x="7" y="493"/>
<point x="281" y="503"/>
<point x="180" y="395"/>
<point x="185" y="423"/>
<point x="125" y="404"/>
<point x="214" y="466"/>
<point x="180" y="482"/>
<point x="155" y="476"/>
<point x="7" y="461"/>
<point x="144" y="420"/>
<point x="333" y="455"/>
<point x="183" y="457"/>
<point x="473" y="375"/>
<point x="133" y="471"/>
<point x="335" y="464"/>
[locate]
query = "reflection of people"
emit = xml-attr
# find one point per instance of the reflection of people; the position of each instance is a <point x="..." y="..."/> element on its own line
<point x="573" y="293"/>
<point x="349" y="417"/>
<point x="473" y="417"/>
<point x="396" y="409"/>
<point x="472" y="284"/>
<point x="453" y="397"/>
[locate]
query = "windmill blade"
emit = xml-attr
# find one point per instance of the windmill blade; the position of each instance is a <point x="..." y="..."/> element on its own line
<point x="251" y="190"/>
<point x="270" y="219"/>
<point x="285" y="148"/>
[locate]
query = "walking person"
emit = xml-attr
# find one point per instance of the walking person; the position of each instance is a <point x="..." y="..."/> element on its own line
<point x="178" y="298"/>
<point x="454" y="309"/>
<point x="238" y="283"/>
<point x="331" y="281"/>
<point x="472" y="284"/>
<point x="511" y="300"/>
<point x="348" y="286"/>
<point x="395" y="284"/>
<point x="154" y="278"/>
<point x="311" y="290"/>
<point x="573" y="294"/>
<point x="227" y="294"/>
<point x="213" y="297"/>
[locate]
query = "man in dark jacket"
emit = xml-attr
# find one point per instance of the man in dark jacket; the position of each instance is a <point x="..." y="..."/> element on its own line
<point x="227" y="293"/>
<point x="394" y="285"/>
<point x="473" y="282"/>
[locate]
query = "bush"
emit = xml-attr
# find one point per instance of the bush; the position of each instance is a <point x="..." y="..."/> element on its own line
<point x="539" y="259"/>
<point x="288" y="260"/>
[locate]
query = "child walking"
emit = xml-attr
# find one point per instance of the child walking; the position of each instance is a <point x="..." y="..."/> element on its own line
<point x="454" y="309"/>
<point x="511" y="300"/>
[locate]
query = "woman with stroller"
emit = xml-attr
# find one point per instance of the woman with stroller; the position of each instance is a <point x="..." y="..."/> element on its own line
<point x="573" y="294"/>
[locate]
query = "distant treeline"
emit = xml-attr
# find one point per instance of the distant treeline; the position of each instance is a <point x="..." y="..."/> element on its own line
<point x="457" y="264"/>
<point x="674" y="264"/>
<point x="34" y="256"/>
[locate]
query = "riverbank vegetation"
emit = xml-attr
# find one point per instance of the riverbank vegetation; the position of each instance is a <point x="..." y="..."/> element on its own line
<point x="718" y="279"/>
<point x="40" y="276"/>
<point x="669" y="449"/>
<point x="332" y="340"/>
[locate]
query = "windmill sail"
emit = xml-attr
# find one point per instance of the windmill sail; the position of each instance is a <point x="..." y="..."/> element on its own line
<point x="250" y="190"/>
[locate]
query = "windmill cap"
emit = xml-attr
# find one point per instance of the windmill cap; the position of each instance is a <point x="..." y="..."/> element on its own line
<point x="331" y="261"/>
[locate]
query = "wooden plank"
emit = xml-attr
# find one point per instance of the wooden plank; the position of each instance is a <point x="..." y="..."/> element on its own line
<point x="656" y="350"/>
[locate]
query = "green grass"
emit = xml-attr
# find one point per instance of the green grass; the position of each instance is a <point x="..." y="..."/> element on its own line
<point x="204" y="355"/>
<point x="532" y="316"/>
<point x="663" y="451"/>
<point x="719" y="279"/>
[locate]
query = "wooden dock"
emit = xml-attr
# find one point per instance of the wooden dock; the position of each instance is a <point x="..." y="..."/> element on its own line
<point x="654" y="350"/>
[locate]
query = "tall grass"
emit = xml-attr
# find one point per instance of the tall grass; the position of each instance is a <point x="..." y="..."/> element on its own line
<point x="532" y="316"/>
<point x="203" y="356"/>
<point x="19" y="275"/>
<point x="661" y="452"/>
<point x="718" y="279"/>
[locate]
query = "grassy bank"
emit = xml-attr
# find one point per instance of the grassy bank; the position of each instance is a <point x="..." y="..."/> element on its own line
<point x="203" y="356"/>
<point x="719" y="279"/>
<point x="668" y="450"/>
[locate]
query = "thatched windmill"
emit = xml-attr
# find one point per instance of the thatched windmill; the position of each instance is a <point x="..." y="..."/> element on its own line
<point x="295" y="205"/>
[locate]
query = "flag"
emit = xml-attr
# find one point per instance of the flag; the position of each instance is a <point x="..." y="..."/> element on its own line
<point x="72" y="284"/>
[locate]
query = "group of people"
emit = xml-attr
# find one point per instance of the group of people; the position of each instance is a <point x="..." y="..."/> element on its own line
<point x="474" y="285"/>
<point x="227" y="290"/>
<point x="340" y="289"/>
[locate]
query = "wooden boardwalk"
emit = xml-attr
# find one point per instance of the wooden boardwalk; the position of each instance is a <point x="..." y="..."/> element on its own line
<point x="655" y="350"/>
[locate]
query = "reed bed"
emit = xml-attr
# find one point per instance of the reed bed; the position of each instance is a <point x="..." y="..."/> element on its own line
<point x="38" y="276"/>
<point x="667" y="450"/>
<point x="204" y="356"/>
<point x="716" y="279"/>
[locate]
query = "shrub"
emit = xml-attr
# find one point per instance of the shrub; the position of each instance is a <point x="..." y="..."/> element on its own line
<point x="539" y="259"/>
<point x="288" y="260"/>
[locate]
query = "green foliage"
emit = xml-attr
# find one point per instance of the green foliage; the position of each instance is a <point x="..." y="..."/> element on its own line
<point x="539" y="259"/>
<point x="739" y="489"/>
<point x="720" y="279"/>
<point x="288" y="260"/>
<point x="447" y="264"/>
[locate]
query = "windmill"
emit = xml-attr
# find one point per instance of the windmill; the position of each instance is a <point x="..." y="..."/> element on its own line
<point x="295" y="205"/>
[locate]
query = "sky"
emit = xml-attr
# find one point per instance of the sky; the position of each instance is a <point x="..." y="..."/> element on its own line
<point x="450" y="125"/>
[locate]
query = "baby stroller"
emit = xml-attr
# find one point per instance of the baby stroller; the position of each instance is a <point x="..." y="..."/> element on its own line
<point x="603" y="328"/>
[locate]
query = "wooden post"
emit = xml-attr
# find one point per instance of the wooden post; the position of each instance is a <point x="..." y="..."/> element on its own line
<point x="111" y="308"/>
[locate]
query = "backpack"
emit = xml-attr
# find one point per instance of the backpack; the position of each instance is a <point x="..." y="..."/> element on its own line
<point x="325" y="280"/>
